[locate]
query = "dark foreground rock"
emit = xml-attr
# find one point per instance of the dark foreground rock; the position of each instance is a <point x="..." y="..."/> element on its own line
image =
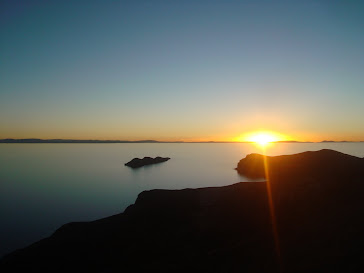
<point x="324" y="164"/>
<point x="319" y="221"/>
<point x="137" y="162"/>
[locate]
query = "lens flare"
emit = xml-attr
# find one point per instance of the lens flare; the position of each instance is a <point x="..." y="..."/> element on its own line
<point x="262" y="138"/>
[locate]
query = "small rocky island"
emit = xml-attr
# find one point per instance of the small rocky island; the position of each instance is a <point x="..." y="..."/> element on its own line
<point x="137" y="162"/>
<point x="316" y="199"/>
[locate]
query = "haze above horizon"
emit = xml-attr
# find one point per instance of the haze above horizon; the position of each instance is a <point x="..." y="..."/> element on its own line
<point x="181" y="70"/>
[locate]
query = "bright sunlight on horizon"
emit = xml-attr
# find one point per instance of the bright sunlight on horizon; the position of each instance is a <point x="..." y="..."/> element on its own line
<point x="262" y="138"/>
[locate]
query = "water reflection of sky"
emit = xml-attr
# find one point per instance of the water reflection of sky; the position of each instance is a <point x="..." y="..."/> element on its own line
<point x="46" y="185"/>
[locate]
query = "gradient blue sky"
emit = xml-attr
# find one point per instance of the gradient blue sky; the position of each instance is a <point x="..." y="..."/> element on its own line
<point x="181" y="70"/>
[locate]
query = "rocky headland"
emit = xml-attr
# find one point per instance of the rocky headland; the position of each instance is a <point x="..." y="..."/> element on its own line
<point x="140" y="162"/>
<point x="318" y="218"/>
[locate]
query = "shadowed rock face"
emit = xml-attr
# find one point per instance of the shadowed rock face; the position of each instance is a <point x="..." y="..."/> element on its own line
<point x="226" y="229"/>
<point x="321" y="164"/>
<point x="137" y="162"/>
<point x="206" y="230"/>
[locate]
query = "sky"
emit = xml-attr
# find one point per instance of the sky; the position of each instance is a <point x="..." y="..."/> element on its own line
<point x="182" y="70"/>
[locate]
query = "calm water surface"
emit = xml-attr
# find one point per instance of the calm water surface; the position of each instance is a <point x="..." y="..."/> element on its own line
<point x="43" y="186"/>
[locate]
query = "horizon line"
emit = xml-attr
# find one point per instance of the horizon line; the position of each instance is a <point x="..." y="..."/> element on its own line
<point x="56" y="140"/>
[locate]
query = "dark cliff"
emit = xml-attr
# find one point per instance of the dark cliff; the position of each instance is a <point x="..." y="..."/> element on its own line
<point x="315" y="164"/>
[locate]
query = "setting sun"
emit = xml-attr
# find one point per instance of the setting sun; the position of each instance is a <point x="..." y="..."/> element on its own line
<point x="262" y="138"/>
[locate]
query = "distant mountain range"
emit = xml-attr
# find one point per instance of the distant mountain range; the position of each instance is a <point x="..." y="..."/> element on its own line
<point x="38" y="140"/>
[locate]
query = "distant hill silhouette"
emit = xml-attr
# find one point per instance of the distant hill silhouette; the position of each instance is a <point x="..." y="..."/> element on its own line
<point x="37" y="140"/>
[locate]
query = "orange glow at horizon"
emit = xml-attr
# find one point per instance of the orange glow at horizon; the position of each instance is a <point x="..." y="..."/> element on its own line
<point x="262" y="138"/>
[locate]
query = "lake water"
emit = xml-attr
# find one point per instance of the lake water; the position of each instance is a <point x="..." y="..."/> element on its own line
<point x="43" y="186"/>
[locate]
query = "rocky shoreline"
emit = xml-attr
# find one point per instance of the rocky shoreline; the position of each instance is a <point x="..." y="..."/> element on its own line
<point x="318" y="207"/>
